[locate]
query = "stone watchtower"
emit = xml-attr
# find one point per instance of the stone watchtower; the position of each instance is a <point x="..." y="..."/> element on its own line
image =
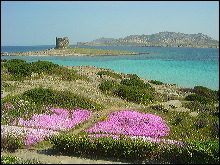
<point x="62" y="42"/>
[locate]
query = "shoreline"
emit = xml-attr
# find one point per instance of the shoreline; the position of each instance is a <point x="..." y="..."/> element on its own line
<point x="71" y="52"/>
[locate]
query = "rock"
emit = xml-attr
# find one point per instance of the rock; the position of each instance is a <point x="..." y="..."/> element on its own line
<point x="193" y="113"/>
<point x="172" y="103"/>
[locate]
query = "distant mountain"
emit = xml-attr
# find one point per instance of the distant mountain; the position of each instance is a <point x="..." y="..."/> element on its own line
<point x="162" y="39"/>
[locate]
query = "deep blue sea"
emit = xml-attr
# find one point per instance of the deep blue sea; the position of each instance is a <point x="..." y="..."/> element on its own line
<point x="186" y="67"/>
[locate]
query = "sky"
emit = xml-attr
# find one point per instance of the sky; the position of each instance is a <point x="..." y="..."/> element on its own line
<point x="30" y="23"/>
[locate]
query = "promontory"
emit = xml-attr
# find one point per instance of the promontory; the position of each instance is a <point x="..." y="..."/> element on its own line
<point x="70" y="51"/>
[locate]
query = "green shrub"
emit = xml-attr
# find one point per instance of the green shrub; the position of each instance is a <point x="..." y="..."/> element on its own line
<point x="133" y="76"/>
<point x="16" y="61"/>
<point x="207" y="93"/>
<point x="108" y="73"/>
<point x="54" y="69"/>
<point x="3" y="60"/>
<point x="41" y="95"/>
<point x="11" y="142"/>
<point x="156" y="82"/>
<point x="134" y="94"/>
<point x="196" y="97"/>
<point x="194" y="152"/>
<point x="128" y="92"/>
<point x="215" y="129"/>
<point x="43" y="66"/>
<point x="202" y="122"/>
<point x="65" y="73"/>
<point x="134" y="82"/>
<point x="103" y="146"/>
<point x="9" y="159"/>
<point x="19" y="68"/>
<point x="109" y="86"/>
<point x="177" y="120"/>
<point x="198" y="106"/>
<point x="203" y="95"/>
<point x="63" y="99"/>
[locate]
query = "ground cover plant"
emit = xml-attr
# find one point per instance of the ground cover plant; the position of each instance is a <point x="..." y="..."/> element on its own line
<point x="40" y="126"/>
<point x="23" y="136"/>
<point x="25" y="122"/>
<point x="61" y="119"/>
<point x="132" y="123"/>
<point x="148" y="133"/>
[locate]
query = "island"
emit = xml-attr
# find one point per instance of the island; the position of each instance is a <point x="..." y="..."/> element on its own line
<point x="63" y="49"/>
<point x="70" y="51"/>
<point x="161" y="39"/>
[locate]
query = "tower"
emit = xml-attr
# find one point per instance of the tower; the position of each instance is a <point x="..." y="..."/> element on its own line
<point x="62" y="42"/>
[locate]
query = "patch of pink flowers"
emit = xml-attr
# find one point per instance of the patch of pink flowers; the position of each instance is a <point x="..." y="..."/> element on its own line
<point x="132" y="123"/>
<point x="29" y="136"/>
<point x="61" y="119"/>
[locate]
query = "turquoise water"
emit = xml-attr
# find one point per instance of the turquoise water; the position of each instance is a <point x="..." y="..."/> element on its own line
<point x="186" y="67"/>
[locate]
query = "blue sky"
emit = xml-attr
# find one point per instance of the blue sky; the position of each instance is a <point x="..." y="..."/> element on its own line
<point x="25" y="23"/>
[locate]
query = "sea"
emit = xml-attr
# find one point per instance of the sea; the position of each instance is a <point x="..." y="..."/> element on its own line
<point x="183" y="66"/>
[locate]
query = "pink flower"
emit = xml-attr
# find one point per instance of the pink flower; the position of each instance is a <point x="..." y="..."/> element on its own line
<point x="29" y="136"/>
<point x="61" y="119"/>
<point x="132" y="123"/>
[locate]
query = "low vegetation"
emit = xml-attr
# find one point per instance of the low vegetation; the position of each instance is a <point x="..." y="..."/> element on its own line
<point x="88" y="51"/>
<point x="62" y="99"/>
<point x="193" y="152"/>
<point x="132" y="89"/>
<point x="203" y="95"/>
<point x="8" y="159"/>
<point x="18" y="70"/>
<point x="197" y="136"/>
<point x="108" y="73"/>
<point x="156" y="82"/>
<point x="71" y="51"/>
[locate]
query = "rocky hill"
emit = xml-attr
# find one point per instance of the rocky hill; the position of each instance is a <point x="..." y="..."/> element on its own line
<point x="162" y="39"/>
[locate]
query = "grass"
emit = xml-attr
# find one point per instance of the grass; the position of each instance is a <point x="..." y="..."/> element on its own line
<point x="88" y="51"/>
<point x="75" y="50"/>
